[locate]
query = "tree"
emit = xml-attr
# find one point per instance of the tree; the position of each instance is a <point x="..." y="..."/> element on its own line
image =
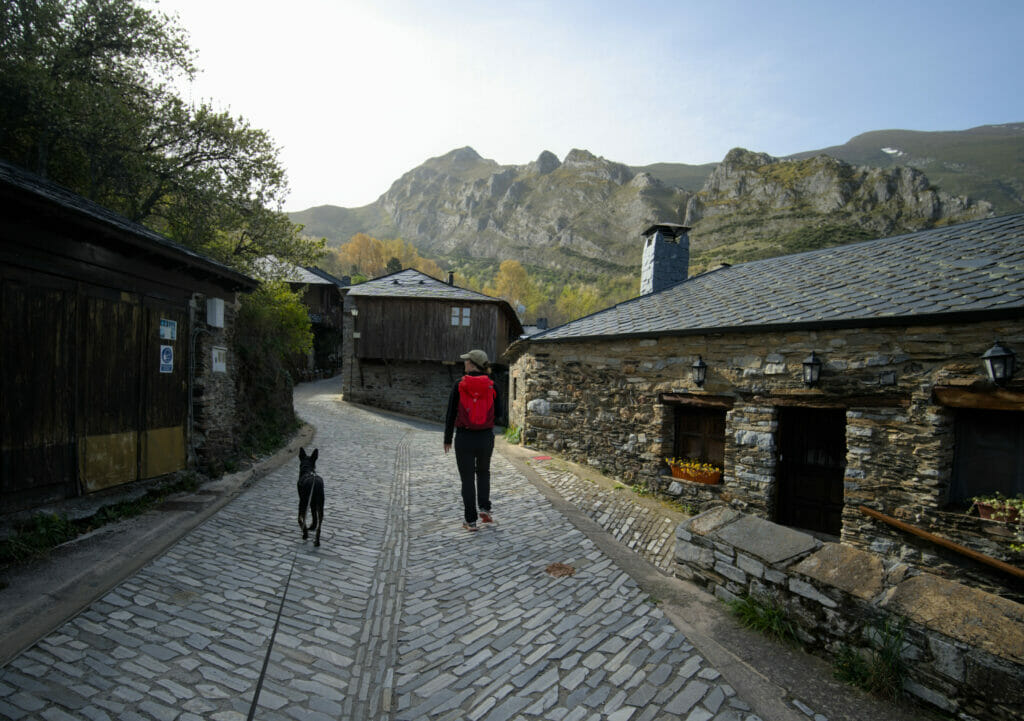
<point x="577" y="301"/>
<point x="513" y="283"/>
<point x="86" y="100"/>
<point x="272" y="326"/>
<point x="364" y="255"/>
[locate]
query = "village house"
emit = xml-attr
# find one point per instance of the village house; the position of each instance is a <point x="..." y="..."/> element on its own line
<point x="115" y="353"/>
<point x="820" y="384"/>
<point x="404" y="333"/>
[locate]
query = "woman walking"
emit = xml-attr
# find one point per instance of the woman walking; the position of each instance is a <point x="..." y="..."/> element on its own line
<point x="472" y="407"/>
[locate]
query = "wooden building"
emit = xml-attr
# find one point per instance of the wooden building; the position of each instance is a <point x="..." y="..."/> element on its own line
<point x="98" y="345"/>
<point x="896" y="412"/>
<point x="323" y="295"/>
<point x="404" y="333"/>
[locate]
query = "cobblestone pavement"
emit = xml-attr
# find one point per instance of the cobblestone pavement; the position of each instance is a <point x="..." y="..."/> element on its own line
<point x="400" y="614"/>
<point x="648" y="529"/>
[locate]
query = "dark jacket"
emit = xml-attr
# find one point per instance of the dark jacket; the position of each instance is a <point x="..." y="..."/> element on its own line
<point x="453" y="410"/>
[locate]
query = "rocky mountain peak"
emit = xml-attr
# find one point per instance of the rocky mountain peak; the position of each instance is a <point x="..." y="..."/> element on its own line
<point x="546" y="162"/>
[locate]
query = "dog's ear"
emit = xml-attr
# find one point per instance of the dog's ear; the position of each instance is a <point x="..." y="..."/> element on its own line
<point x="302" y="453"/>
<point x="316" y="452"/>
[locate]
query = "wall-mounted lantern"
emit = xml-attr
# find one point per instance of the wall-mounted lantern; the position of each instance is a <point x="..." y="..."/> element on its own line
<point x="700" y="372"/>
<point x="354" y="312"/>
<point x="999" y="362"/>
<point x="812" y="369"/>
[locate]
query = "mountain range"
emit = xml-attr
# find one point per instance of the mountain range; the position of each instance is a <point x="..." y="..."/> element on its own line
<point x="580" y="218"/>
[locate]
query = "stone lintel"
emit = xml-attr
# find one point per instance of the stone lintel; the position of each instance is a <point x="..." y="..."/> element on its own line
<point x="849" y="569"/>
<point x="766" y="540"/>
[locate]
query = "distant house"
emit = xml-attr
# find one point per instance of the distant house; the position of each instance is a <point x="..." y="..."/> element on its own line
<point x="404" y="333"/>
<point x="819" y="382"/>
<point x="323" y="296"/>
<point x="114" y="359"/>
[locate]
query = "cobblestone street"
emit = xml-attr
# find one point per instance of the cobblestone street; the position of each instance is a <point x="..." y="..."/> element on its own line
<point x="400" y="614"/>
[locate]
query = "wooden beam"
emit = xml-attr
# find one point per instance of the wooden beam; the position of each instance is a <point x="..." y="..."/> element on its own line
<point x="945" y="543"/>
<point x="686" y="399"/>
<point x="812" y="400"/>
<point x="994" y="399"/>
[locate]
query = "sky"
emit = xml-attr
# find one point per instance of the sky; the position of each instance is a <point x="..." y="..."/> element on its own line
<point x="358" y="92"/>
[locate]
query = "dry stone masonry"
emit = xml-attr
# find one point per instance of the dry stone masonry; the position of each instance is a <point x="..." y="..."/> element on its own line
<point x="964" y="649"/>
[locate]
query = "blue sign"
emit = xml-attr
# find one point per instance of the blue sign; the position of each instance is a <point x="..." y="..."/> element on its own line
<point x="166" y="359"/>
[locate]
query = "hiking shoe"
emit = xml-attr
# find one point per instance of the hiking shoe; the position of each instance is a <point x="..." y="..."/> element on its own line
<point x="469" y="526"/>
<point x="486" y="517"/>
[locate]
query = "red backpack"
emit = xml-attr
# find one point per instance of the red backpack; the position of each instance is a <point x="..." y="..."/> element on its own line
<point x="476" y="403"/>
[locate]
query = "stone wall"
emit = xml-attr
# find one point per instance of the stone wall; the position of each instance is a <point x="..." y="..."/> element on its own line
<point x="214" y="422"/>
<point x="603" y="402"/>
<point x="416" y="389"/>
<point x="963" y="648"/>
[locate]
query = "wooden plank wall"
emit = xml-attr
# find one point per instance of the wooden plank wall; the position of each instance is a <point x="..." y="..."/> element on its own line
<point x="421" y="330"/>
<point x="38" y="456"/>
<point x="85" y="404"/>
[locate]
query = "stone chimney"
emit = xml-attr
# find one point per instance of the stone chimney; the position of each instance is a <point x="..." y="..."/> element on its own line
<point x="666" y="259"/>
<point x="451" y="278"/>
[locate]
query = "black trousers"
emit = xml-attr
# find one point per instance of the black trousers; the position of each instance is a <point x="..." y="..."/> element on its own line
<point x="473" y="451"/>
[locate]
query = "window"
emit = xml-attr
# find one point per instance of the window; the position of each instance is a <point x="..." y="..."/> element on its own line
<point x="700" y="434"/>
<point x="989" y="454"/>
<point x="460" y="316"/>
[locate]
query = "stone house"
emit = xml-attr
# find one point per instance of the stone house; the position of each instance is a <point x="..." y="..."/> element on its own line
<point x="825" y="385"/>
<point x="404" y="333"/>
<point x="115" y="353"/>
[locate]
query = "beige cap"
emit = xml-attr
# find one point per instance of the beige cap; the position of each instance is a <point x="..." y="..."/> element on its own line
<point x="478" y="357"/>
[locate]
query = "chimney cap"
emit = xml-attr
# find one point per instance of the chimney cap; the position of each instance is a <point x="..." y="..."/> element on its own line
<point x="673" y="230"/>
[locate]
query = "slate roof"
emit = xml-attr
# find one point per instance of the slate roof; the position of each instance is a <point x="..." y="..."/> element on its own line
<point x="272" y="266"/>
<point x="974" y="268"/>
<point x="411" y="283"/>
<point x="323" y="276"/>
<point x="30" y="185"/>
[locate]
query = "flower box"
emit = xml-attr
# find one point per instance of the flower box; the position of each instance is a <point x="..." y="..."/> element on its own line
<point x="689" y="474"/>
<point x="1009" y="514"/>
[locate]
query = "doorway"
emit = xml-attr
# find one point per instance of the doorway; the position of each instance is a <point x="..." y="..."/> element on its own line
<point x="811" y="467"/>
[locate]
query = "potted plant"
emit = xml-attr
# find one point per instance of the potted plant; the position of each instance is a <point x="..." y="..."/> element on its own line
<point x="998" y="507"/>
<point x="689" y="469"/>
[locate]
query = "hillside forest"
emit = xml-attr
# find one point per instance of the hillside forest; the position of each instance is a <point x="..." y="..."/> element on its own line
<point x="533" y="294"/>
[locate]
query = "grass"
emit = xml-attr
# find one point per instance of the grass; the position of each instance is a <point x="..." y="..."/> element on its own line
<point x="513" y="434"/>
<point x="34" y="538"/>
<point x="765" y="616"/>
<point x="877" y="670"/>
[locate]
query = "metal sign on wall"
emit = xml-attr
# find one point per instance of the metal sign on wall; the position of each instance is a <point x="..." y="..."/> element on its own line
<point x="220" y="360"/>
<point x="168" y="329"/>
<point x="166" y="359"/>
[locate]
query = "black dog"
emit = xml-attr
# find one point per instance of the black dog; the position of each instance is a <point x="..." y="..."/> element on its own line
<point x="311" y="494"/>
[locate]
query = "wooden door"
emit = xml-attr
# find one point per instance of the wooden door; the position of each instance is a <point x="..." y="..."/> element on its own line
<point x="108" y="444"/>
<point x="164" y="401"/>
<point x="37" y="383"/>
<point x="811" y="467"/>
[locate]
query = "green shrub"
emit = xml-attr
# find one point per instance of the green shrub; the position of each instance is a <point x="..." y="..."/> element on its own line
<point x="513" y="434"/>
<point x="877" y="670"/>
<point x="765" y="616"/>
<point x="34" y="538"/>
